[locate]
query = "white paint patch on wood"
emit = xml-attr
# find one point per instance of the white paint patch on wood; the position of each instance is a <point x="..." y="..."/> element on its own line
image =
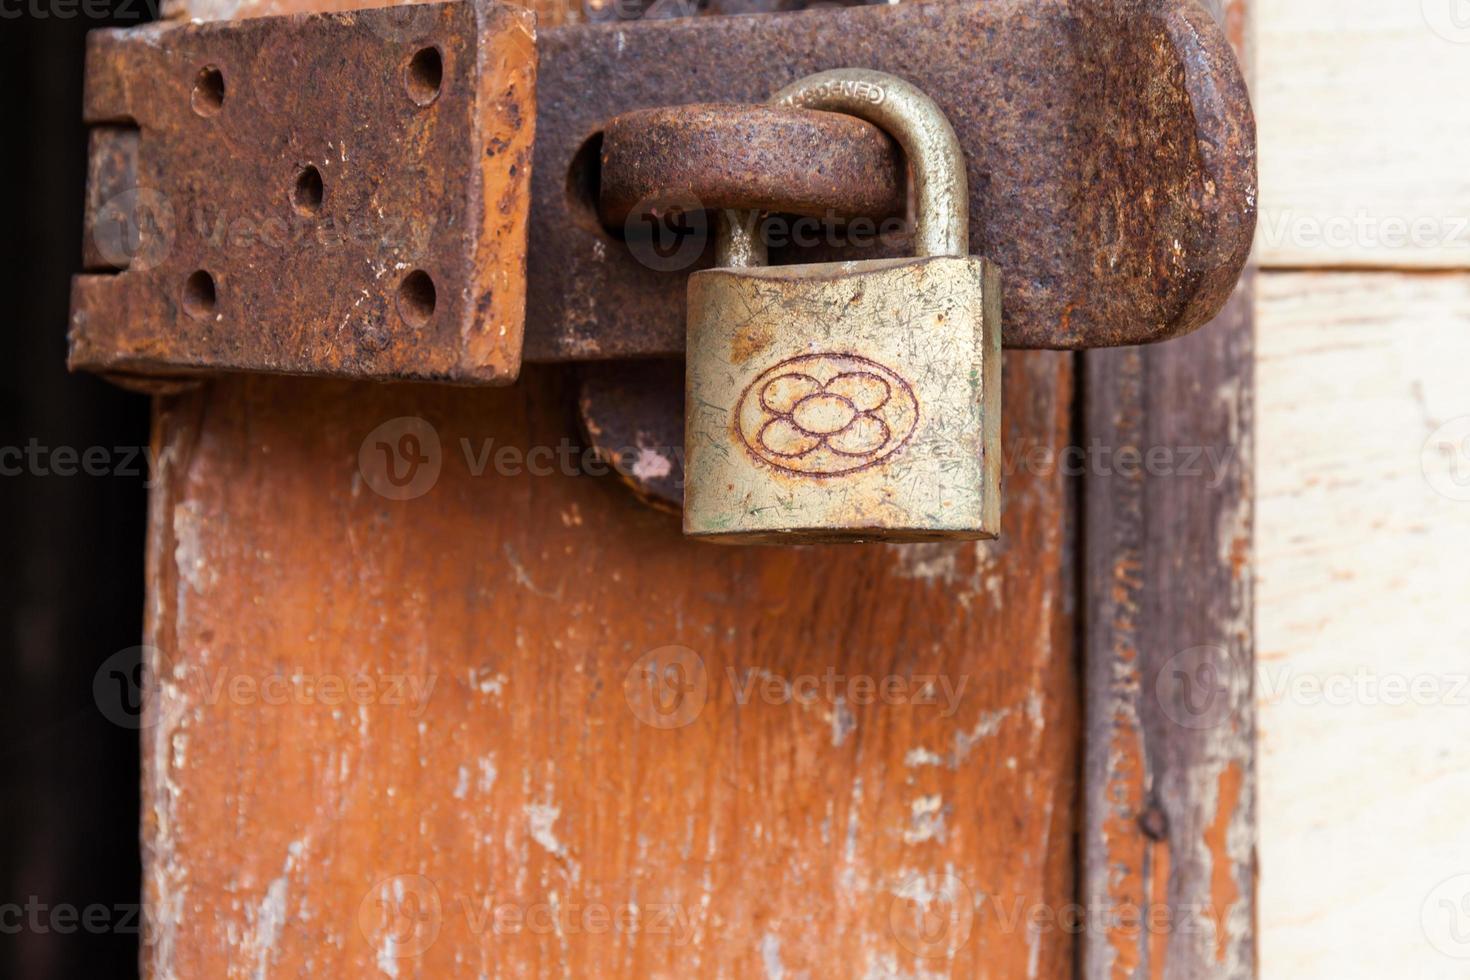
<point x="1364" y="133"/>
<point x="1363" y="623"/>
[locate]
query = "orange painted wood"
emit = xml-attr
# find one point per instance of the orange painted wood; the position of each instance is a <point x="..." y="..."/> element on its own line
<point x="349" y="838"/>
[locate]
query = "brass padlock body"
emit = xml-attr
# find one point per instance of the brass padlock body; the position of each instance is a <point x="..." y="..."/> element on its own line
<point x="849" y="401"/>
<point x="927" y="328"/>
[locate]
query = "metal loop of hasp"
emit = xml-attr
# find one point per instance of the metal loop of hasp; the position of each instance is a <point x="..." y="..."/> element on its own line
<point x="941" y="189"/>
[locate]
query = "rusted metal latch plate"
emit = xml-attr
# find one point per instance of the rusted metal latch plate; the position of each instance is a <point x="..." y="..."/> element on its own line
<point x="329" y="194"/>
<point x="1110" y="147"/>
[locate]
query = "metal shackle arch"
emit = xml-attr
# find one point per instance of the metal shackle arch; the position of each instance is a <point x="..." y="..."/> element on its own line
<point x="941" y="188"/>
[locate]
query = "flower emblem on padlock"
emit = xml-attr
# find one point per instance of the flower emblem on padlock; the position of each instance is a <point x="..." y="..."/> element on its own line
<point x="826" y="414"/>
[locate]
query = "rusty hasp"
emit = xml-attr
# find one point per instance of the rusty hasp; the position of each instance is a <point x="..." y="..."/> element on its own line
<point x="1110" y="148"/>
<point x="774" y="158"/>
<point x="633" y="414"/>
<point x="348" y="194"/>
<point x="325" y="194"/>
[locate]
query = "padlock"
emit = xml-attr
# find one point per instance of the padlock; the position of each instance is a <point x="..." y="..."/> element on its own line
<point x="849" y="401"/>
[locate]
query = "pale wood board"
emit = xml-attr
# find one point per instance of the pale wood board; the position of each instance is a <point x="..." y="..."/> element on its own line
<point x="1361" y="110"/>
<point x="1361" y="569"/>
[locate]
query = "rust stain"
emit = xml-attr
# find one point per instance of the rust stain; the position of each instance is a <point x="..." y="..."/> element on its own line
<point x="1125" y="845"/>
<point x="1048" y="100"/>
<point x="1236" y="24"/>
<point x="749" y="342"/>
<point x="504" y="125"/>
<point x="1224" y="889"/>
<point x="1151" y="261"/>
<point x="1158" y="938"/>
<point x="790" y="161"/>
<point x="1240" y="556"/>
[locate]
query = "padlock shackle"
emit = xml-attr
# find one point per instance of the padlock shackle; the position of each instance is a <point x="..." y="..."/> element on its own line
<point x="941" y="188"/>
<point x="738" y="241"/>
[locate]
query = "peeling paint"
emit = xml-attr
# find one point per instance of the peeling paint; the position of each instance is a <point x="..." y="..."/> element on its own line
<point x="771" y="957"/>
<point x="926" y="820"/>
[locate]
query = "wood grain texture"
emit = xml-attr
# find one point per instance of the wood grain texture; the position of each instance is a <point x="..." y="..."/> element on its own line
<point x="774" y="837"/>
<point x="1364" y="637"/>
<point x="1363" y="133"/>
<point x="1168" y="830"/>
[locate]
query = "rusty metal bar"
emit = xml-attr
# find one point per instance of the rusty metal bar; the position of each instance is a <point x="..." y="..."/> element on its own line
<point x="795" y="161"/>
<point x="1110" y="151"/>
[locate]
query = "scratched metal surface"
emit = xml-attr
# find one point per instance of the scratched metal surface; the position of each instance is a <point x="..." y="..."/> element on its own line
<point x="815" y="413"/>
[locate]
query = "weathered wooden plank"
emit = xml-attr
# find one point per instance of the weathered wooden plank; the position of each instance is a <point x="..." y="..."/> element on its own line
<point x="1363" y="523"/>
<point x="1168" y="831"/>
<point x="1363" y="141"/>
<point x="514" y="768"/>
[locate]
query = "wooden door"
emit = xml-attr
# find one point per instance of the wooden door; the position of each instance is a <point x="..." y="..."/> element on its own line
<point x="502" y="763"/>
<point x="493" y="717"/>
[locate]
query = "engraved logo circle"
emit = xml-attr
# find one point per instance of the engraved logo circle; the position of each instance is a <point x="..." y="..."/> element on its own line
<point x="826" y="414"/>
